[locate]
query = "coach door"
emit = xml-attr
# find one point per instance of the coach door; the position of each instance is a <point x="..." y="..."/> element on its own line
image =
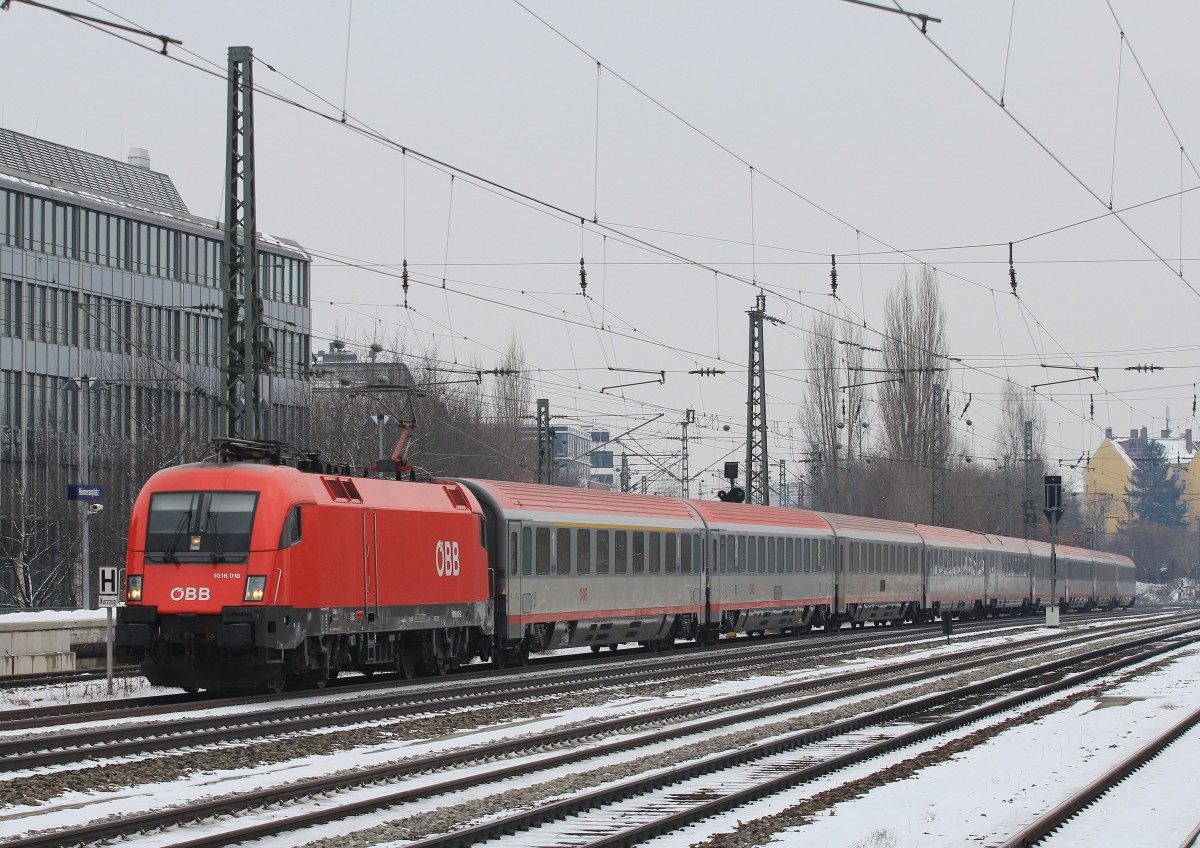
<point x="370" y="567"/>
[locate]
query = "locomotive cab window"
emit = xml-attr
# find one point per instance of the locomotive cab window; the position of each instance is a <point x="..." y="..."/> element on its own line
<point x="200" y="526"/>
<point x="290" y="534"/>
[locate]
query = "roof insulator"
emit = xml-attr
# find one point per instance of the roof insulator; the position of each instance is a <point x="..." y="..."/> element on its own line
<point x="1012" y="272"/>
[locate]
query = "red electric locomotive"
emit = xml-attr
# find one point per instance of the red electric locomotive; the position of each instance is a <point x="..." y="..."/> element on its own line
<point x="241" y="574"/>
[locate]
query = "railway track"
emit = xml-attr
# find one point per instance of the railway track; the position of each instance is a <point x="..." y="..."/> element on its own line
<point x="1062" y="814"/>
<point x="53" y="678"/>
<point x="720" y="716"/>
<point x="178" y="733"/>
<point x="847" y="640"/>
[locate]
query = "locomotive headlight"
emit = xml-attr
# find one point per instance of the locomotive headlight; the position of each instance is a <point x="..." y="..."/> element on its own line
<point x="256" y="587"/>
<point x="133" y="591"/>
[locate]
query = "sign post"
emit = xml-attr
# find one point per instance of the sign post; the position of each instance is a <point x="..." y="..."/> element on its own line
<point x="1053" y="512"/>
<point x="109" y="596"/>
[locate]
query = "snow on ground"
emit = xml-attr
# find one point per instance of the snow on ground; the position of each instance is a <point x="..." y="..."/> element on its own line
<point x="51" y="616"/>
<point x="981" y="797"/>
<point x="1010" y="780"/>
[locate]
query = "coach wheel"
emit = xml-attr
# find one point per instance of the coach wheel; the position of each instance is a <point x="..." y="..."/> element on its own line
<point x="523" y="654"/>
<point x="406" y="661"/>
<point x="276" y="682"/>
<point x="596" y="649"/>
<point x="614" y="646"/>
<point x="317" y="679"/>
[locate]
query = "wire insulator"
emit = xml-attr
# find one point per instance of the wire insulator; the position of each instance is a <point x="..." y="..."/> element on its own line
<point x="1012" y="272"/>
<point x="833" y="274"/>
<point x="404" y="282"/>
<point x="582" y="277"/>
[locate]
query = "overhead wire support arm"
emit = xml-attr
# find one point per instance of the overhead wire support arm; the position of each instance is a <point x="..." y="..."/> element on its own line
<point x="920" y="16"/>
<point x="88" y="19"/>
<point x="662" y="378"/>
<point x="1095" y="376"/>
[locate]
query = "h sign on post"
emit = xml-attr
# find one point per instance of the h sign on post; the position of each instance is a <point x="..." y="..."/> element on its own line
<point x="109" y="590"/>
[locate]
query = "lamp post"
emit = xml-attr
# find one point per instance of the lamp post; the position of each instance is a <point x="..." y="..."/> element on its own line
<point x="85" y="386"/>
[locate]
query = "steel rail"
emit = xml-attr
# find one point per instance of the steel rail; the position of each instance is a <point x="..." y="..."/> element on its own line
<point x="1059" y="815"/>
<point x="132" y="739"/>
<point x="108" y="830"/>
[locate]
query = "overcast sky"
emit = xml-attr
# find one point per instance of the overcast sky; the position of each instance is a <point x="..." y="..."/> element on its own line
<point x="755" y="139"/>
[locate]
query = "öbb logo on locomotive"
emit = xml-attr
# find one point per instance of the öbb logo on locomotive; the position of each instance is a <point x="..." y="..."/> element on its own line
<point x="446" y="559"/>
<point x="190" y="593"/>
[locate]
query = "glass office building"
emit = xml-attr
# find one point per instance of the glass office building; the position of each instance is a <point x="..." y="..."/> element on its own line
<point x="104" y="273"/>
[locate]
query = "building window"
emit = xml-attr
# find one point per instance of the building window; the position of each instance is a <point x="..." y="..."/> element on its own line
<point x="10" y="308"/>
<point x="10" y="217"/>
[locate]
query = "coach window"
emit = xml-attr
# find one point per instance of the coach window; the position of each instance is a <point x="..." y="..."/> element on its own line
<point x="639" y="552"/>
<point x="685" y="553"/>
<point x="655" y="556"/>
<point x="620" y="551"/>
<point x="670" y="561"/>
<point x="739" y="564"/>
<point x="722" y="563"/>
<point x="514" y="548"/>
<point x="602" y="552"/>
<point x="790" y="554"/>
<point x="752" y="554"/>
<point x="543" y="550"/>
<point x="563" y="549"/>
<point x="583" y="552"/>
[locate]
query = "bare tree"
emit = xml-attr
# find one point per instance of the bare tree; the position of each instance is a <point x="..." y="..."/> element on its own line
<point x="831" y="414"/>
<point x="1019" y="413"/>
<point x="916" y="431"/>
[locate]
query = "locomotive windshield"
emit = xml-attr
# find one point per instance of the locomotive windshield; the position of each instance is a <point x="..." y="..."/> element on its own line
<point x="200" y="526"/>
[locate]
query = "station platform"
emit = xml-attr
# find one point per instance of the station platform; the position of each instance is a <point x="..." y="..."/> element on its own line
<point x="51" y="640"/>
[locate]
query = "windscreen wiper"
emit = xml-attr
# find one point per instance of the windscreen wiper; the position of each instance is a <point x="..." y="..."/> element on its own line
<point x="219" y="553"/>
<point x="180" y="529"/>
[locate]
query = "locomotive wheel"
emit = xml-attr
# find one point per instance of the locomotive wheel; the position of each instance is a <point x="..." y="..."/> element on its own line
<point x="276" y="682"/>
<point x="406" y="661"/>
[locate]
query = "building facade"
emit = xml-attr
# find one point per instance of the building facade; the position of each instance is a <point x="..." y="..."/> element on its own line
<point x="1109" y="470"/>
<point x="105" y="274"/>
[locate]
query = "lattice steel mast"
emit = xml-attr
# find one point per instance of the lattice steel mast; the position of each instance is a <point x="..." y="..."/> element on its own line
<point x="758" y="488"/>
<point x="247" y="353"/>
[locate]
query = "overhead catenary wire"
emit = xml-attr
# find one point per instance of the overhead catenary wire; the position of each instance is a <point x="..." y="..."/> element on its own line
<point x="715" y="272"/>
